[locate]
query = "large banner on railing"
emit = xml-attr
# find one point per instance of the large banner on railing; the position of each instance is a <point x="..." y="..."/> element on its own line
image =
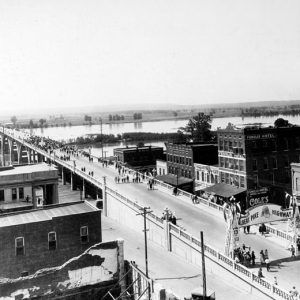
<point x="264" y="213"/>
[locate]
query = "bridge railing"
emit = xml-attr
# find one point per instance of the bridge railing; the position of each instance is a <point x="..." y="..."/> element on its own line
<point x="229" y="264"/>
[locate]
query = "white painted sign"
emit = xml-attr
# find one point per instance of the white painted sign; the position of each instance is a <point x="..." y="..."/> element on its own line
<point x="265" y="213"/>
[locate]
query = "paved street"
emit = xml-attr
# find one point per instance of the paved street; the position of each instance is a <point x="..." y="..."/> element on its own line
<point x="195" y="218"/>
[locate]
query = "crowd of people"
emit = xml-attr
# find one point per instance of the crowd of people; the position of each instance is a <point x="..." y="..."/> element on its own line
<point x="170" y="216"/>
<point x="244" y="256"/>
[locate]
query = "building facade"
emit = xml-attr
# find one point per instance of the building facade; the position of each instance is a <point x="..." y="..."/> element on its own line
<point x="161" y="167"/>
<point x="139" y="157"/>
<point x="205" y="175"/>
<point x="46" y="237"/>
<point x="182" y="156"/>
<point x="259" y="157"/>
<point x="35" y="184"/>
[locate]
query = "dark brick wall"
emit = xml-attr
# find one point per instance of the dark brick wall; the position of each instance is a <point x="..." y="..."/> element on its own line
<point x="37" y="255"/>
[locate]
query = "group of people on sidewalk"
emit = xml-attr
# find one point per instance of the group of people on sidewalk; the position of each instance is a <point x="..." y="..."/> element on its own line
<point x="244" y="256"/>
<point x="168" y="215"/>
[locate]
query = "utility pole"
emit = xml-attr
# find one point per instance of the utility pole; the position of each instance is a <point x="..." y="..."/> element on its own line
<point x="101" y="137"/>
<point x="146" y="210"/>
<point x="203" y="265"/>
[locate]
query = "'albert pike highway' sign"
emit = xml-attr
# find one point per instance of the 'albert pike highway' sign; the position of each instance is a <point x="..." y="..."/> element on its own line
<point x="264" y="213"/>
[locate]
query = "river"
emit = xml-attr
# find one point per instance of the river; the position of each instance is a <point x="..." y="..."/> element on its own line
<point x="72" y="132"/>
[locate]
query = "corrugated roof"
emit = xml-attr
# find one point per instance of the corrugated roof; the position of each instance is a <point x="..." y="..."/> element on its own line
<point x="224" y="190"/>
<point x="45" y="214"/>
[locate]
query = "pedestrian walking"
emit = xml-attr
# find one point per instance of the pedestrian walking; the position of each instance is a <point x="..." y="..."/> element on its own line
<point x="248" y="229"/>
<point x="267" y="261"/>
<point x="253" y="258"/>
<point x="266" y="254"/>
<point x="293" y="251"/>
<point x="275" y="280"/>
<point x="260" y="274"/>
<point x="262" y="257"/>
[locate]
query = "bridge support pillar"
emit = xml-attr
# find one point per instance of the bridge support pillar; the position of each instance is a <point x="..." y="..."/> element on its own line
<point x="83" y="190"/>
<point x="10" y="149"/>
<point x="72" y="181"/>
<point x="28" y="155"/>
<point x="2" y="150"/>
<point x="19" y="152"/>
<point x="104" y="196"/>
<point x="63" y="176"/>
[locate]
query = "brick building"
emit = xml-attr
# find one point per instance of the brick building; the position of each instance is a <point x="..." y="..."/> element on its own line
<point x="46" y="237"/>
<point x="139" y="157"/>
<point x="256" y="158"/>
<point x="182" y="156"/>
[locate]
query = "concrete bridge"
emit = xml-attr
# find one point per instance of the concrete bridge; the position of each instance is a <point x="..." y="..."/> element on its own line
<point x="124" y="210"/>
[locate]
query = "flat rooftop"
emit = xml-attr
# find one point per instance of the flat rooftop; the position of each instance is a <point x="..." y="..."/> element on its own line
<point x="16" y="170"/>
<point x="46" y="213"/>
<point x="137" y="148"/>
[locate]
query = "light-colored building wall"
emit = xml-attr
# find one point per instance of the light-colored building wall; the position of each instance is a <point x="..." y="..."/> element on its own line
<point x="205" y="176"/>
<point x="295" y="167"/>
<point x="161" y="167"/>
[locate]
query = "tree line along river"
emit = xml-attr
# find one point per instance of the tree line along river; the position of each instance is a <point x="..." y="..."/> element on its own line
<point x="70" y="133"/>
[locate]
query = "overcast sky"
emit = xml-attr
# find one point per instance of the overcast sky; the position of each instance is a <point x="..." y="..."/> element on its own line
<point x="75" y="53"/>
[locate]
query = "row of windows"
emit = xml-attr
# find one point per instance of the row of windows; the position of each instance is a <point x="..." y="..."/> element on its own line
<point x="231" y="163"/>
<point x="270" y="163"/>
<point x="180" y="172"/>
<point x="210" y="178"/>
<point x="229" y="145"/>
<point x="179" y="159"/>
<point x="236" y="180"/>
<point x="52" y="240"/>
<point x="14" y="194"/>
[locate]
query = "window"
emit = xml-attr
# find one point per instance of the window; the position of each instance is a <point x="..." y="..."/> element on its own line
<point x="2" y="198"/>
<point x="13" y="193"/>
<point x="190" y="174"/>
<point x="274" y="163"/>
<point x="197" y="174"/>
<point x="21" y="193"/>
<point x="266" y="165"/>
<point x="254" y="165"/>
<point x="221" y="161"/>
<point x="19" y="244"/>
<point x="52" y="240"/>
<point x="286" y="144"/>
<point x="84" y="234"/>
<point x="242" y="181"/>
<point x="286" y="161"/>
<point x="202" y="176"/>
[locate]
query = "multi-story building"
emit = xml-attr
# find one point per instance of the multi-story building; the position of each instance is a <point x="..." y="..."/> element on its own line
<point x="46" y="237"/>
<point x="182" y="156"/>
<point x="139" y="157"/>
<point x="259" y="157"/>
<point x="33" y="184"/>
